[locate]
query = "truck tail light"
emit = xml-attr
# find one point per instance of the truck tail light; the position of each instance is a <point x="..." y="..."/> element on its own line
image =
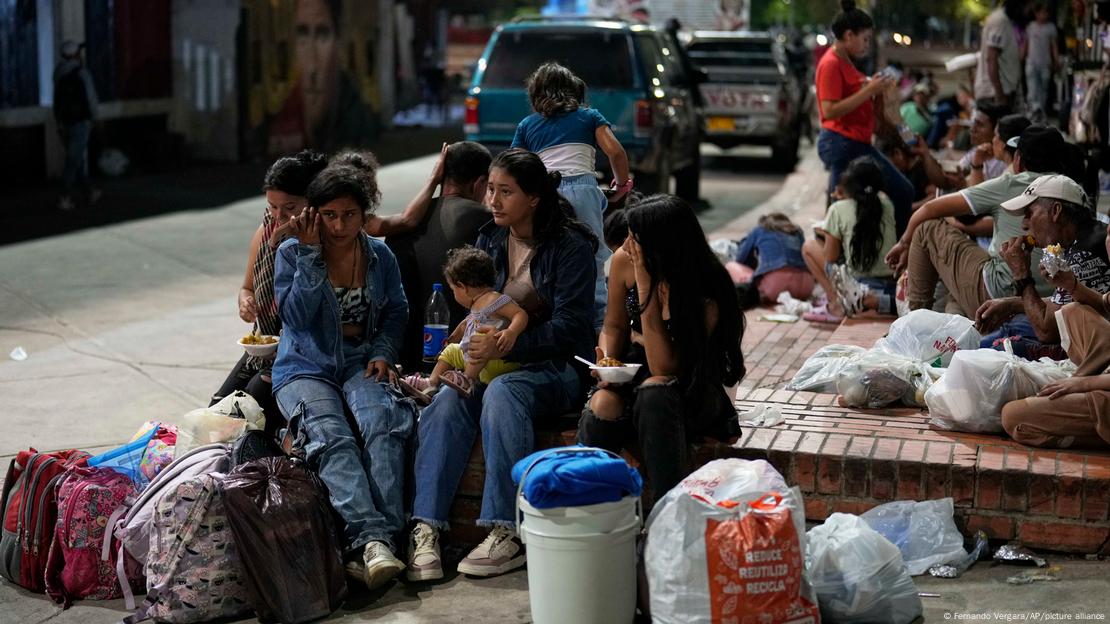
<point x="470" y="122"/>
<point x="643" y="118"/>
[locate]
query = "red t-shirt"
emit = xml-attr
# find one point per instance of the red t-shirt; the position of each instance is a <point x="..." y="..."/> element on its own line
<point x="836" y="80"/>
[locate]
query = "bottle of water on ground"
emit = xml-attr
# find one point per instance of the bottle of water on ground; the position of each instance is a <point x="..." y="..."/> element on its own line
<point x="437" y="316"/>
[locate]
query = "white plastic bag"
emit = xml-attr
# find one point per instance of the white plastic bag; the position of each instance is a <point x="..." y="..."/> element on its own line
<point x="725" y="249"/>
<point x="727" y="544"/>
<point x="877" y="379"/>
<point x="978" y="383"/>
<point x="223" y="422"/>
<point x="930" y="337"/>
<point x="923" y="531"/>
<point x="859" y="576"/>
<point x="821" y="370"/>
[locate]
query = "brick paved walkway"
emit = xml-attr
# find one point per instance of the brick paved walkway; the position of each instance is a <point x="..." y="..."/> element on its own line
<point x="847" y="459"/>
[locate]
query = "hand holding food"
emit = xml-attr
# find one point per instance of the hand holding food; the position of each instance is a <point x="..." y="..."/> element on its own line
<point x="1052" y="262"/>
<point x="1016" y="254"/>
<point x="248" y="308"/>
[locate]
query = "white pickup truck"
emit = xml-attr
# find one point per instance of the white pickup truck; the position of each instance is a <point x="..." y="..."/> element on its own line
<point x="751" y="96"/>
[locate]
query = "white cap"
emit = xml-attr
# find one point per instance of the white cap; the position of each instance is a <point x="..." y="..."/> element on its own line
<point x="1053" y="186"/>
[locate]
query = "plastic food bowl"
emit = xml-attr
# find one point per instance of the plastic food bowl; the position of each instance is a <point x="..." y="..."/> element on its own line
<point x="617" y="374"/>
<point x="260" y="350"/>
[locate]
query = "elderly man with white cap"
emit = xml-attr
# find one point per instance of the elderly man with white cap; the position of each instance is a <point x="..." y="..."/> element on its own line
<point x="74" y="109"/>
<point x="1072" y="412"/>
<point x="1056" y="216"/>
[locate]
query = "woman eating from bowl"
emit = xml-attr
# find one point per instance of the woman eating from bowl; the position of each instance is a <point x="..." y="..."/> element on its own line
<point x="343" y="309"/>
<point x="285" y="185"/>
<point x="544" y="261"/>
<point x="673" y="309"/>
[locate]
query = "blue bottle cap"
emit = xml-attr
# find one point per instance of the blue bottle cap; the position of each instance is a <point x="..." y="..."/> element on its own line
<point x="437" y="286"/>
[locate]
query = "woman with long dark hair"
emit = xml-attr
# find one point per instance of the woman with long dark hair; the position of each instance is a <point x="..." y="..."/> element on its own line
<point x="344" y="312"/>
<point x="285" y="185"/>
<point x="673" y="309"/>
<point x="544" y="261"/>
<point x="844" y="100"/>
<point x="858" y="232"/>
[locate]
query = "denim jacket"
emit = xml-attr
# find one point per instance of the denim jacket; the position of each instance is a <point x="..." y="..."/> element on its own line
<point x="312" y="337"/>
<point x="563" y="275"/>
<point x="773" y="250"/>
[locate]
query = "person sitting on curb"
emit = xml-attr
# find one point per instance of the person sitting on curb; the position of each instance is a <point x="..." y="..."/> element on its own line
<point x="285" y="185"/>
<point x="545" y="262"/>
<point x="1072" y="412"/>
<point x="858" y="230"/>
<point x="672" y="309"/>
<point x="343" y="311"/>
<point x="428" y="228"/>
<point x="1002" y="146"/>
<point x="932" y="250"/>
<point x="982" y="162"/>
<point x="1056" y="213"/>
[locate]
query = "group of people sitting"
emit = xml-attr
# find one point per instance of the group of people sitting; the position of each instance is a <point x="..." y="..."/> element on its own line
<point x="522" y="263"/>
<point x="978" y="243"/>
<point x="968" y="242"/>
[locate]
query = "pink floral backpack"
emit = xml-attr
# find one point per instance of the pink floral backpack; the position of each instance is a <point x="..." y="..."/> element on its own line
<point x="82" y="561"/>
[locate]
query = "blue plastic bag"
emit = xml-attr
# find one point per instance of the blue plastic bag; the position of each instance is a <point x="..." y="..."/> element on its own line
<point x="127" y="459"/>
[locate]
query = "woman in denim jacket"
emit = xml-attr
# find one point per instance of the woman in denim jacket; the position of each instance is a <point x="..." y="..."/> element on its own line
<point x="343" y="312"/>
<point x="545" y="262"/>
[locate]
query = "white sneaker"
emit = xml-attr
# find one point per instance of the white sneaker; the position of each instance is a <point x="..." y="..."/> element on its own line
<point x="425" y="563"/>
<point x="849" y="291"/>
<point x="499" y="553"/>
<point x="381" y="565"/>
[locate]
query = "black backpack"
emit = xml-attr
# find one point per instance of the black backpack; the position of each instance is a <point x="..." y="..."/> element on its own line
<point x="71" y="101"/>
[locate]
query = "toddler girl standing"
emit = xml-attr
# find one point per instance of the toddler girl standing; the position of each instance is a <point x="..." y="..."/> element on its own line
<point x="565" y="134"/>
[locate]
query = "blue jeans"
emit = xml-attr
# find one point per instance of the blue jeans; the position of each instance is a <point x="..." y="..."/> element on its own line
<point x="365" y="483"/>
<point x="76" y="172"/>
<point x="1023" y="340"/>
<point x="503" y="411"/>
<point x="837" y="151"/>
<point x="1039" y="79"/>
<point x="884" y="289"/>
<point x="589" y="205"/>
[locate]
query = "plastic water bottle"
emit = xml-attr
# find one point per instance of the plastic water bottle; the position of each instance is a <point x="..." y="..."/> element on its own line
<point x="436" y="318"/>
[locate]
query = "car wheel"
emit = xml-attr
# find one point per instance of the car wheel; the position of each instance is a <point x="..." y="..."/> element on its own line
<point x="687" y="181"/>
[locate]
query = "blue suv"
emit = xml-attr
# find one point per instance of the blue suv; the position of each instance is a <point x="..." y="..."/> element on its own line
<point x="634" y="76"/>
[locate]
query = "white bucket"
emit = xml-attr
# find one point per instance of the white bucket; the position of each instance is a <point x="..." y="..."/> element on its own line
<point x="581" y="560"/>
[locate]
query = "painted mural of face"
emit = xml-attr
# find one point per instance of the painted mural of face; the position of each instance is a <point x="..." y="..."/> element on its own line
<point x="317" y="57"/>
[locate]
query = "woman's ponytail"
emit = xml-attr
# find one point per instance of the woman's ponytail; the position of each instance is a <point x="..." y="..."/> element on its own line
<point x="863" y="181"/>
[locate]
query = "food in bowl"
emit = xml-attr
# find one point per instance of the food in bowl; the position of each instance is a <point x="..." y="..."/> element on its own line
<point x="623" y="373"/>
<point x="259" y="345"/>
<point x="609" y="362"/>
<point x="257" y="339"/>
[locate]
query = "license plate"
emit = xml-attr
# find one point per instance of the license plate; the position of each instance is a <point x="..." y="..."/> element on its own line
<point x="719" y="124"/>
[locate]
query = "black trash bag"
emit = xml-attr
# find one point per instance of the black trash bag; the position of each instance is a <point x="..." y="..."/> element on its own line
<point x="254" y="444"/>
<point x="290" y="553"/>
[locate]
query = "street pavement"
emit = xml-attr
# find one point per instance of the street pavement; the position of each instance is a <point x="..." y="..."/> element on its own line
<point x="137" y="321"/>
